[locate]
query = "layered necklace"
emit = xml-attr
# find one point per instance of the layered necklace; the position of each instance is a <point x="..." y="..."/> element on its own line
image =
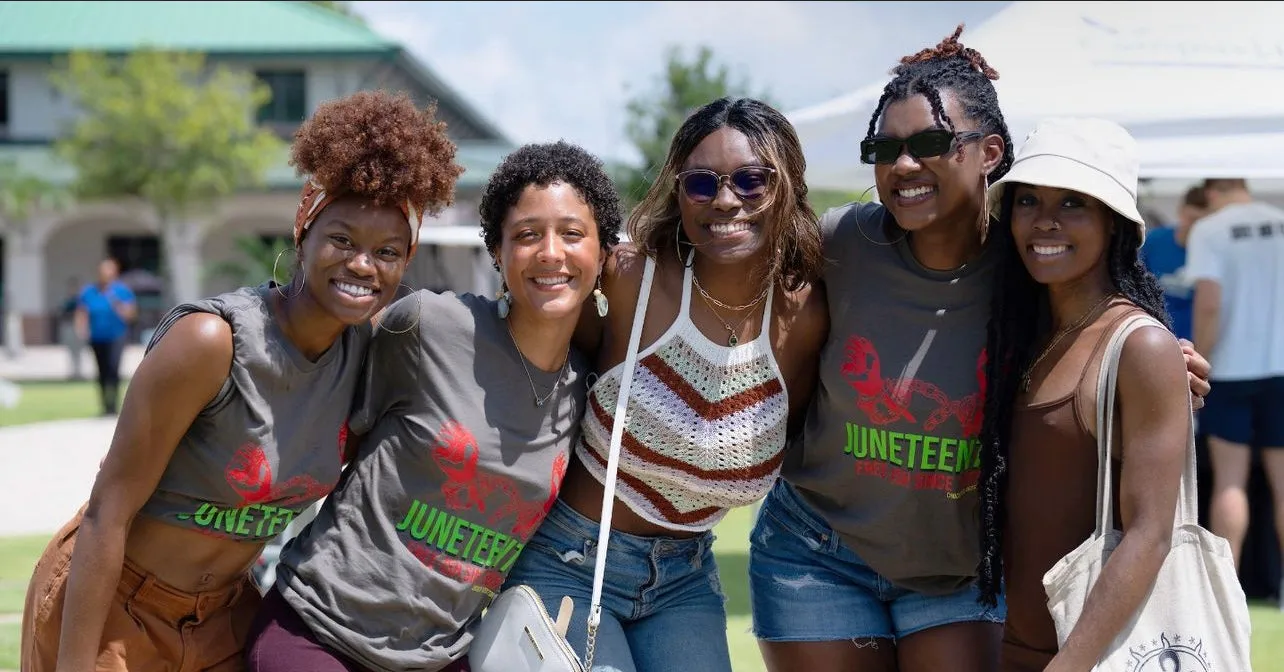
<point x="539" y="401"/>
<point x="732" y="339"/>
<point x="1029" y="370"/>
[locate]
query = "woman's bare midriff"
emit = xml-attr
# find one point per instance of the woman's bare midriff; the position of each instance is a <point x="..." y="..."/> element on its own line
<point x="583" y="493"/>
<point x="190" y="561"/>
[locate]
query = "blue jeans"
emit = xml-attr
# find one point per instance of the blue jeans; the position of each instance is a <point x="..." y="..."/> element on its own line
<point x="662" y="602"/>
<point x="807" y="586"/>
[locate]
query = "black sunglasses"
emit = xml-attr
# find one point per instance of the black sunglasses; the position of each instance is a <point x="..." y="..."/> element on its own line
<point x="921" y="145"/>
<point x="701" y="185"/>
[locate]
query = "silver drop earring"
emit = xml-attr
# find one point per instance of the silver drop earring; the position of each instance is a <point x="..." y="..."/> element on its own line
<point x="504" y="302"/>
<point x="599" y="299"/>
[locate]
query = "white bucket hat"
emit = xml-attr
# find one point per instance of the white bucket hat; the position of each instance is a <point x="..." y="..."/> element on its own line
<point x="1096" y="157"/>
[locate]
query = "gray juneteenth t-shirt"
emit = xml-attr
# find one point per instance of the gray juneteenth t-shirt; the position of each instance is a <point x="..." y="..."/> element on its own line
<point x="890" y="453"/>
<point x="270" y="443"/>
<point x="458" y="468"/>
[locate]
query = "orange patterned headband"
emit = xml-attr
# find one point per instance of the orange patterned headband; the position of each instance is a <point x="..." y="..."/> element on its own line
<point x="315" y="198"/>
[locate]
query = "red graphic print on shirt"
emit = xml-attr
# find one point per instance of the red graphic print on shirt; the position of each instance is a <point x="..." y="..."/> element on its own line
<point x="908" y="438"/>
<point x="343" y="442"/>
<point x="456" y="453"/>
<point x="250" y="474"/>
<point x="885" y="401"/>
<point x="477" y="549"/>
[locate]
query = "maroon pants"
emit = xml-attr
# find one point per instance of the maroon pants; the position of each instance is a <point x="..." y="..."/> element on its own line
<point x="281" y="642"/>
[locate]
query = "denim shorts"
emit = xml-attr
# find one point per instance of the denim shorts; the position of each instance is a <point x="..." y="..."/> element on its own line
<point x="806" y="585"/>
<point x="662" y="603"/>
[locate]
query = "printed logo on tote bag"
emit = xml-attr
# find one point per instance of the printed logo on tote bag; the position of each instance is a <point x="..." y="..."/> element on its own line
<point x="1178" y="653"/>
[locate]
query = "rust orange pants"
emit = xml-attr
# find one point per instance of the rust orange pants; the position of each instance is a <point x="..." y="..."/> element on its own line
<point x="151" y="627"/>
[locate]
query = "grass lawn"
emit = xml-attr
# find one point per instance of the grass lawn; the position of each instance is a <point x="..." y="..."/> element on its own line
<point x="17" y="559"/>
<point x="61" y="400"/>
<point x="18" y="556"/>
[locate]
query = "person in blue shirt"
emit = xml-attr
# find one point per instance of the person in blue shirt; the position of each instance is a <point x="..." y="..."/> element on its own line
<point x="1164" y="254"/>
<point x="103" y="312"/>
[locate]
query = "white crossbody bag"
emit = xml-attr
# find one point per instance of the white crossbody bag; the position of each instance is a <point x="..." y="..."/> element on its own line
<point x="516" y="634"/>
<point x="1195" y="617"/>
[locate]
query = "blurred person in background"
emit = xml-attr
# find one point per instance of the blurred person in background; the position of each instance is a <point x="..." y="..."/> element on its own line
<point x="1164" y="254"/>
<point x="1236" y="260"/>
<point x="104" y="310"/>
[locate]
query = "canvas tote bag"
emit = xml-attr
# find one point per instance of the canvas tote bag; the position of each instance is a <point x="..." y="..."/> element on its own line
<point x="1195" y="618"/>
<point x="516" y="634"/>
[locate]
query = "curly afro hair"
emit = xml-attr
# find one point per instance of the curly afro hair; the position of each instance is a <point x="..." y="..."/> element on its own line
<point x="542" y="165"/>
<point x="379" y="145"/>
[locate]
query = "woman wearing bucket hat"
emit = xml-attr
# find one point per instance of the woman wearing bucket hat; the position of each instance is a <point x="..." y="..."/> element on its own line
<point x="1068" y="235"/>
<point x="867" y="552"/>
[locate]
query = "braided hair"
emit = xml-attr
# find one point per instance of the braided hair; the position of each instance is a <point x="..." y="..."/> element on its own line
<point x="962" y="70"/>
<point x="1016" y="303"/>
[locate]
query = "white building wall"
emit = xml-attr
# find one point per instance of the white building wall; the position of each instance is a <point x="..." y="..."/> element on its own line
<point x="36" y="109"/>
<point x="39" y="111"/>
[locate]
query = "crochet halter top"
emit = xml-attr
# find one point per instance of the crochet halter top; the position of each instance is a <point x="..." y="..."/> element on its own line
<point x="706" y="424"/>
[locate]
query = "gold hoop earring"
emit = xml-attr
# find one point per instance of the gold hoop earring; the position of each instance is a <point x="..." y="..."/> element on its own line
<point x="277" y="286"/>
<point x="419" y="311"/>
<point x="861" y="228"/>
<point x="983" y="223"/>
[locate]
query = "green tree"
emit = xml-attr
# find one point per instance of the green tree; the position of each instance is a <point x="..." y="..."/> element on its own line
<point x="164" y="128"/>
<point x="257" y="259"/>
<point x="824" y="199"/>
<point x="654" y="116"/>
<point x="22" y="193"/>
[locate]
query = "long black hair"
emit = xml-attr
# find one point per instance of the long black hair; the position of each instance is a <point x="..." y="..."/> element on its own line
<point x="1014" y="329"/>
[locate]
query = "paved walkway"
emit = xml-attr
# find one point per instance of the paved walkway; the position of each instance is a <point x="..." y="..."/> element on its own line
<point x="53" y="362"/>
<point x="49" y="469"/>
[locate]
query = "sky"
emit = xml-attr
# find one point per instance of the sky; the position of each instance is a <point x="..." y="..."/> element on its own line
<point x="544" y="71"/>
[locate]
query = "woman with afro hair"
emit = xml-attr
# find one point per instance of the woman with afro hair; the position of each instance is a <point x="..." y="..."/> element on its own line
<point x="466" y="418"/>
<point x="235" y="420"/>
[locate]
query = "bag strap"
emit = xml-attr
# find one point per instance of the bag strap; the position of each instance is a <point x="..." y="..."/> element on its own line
<point x="1106" y="382"/>
<point x="613" y="461"/>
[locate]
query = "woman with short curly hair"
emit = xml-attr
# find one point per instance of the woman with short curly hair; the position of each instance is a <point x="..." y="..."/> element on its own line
<point x="467" y="417"/>
<point x="235" y="420"/>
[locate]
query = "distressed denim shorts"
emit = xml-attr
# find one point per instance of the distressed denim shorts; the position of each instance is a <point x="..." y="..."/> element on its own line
<point x="807" y="586"/>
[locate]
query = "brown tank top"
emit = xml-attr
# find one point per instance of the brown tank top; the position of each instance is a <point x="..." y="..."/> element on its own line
<point x="1052" y="484"/>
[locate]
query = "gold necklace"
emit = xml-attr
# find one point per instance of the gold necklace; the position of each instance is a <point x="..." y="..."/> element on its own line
<point x="522" y="358"/>
<point x="1029" y="371"/>
<point x="708" y="298"/>
<point x="732" y="338"/>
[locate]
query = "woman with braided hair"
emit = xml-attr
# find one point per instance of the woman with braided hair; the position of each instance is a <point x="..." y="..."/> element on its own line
<point x="237" y="416"/>
<point x="867" y="552"/>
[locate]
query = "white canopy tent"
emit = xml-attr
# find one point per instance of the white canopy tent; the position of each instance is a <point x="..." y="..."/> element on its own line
<point x="1200" y="85"/>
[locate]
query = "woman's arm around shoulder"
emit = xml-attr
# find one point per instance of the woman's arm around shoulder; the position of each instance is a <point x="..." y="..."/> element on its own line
<point x="802" y="325"/>
<point x="1154" y="421"/>
<point x="179" y="376"/>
